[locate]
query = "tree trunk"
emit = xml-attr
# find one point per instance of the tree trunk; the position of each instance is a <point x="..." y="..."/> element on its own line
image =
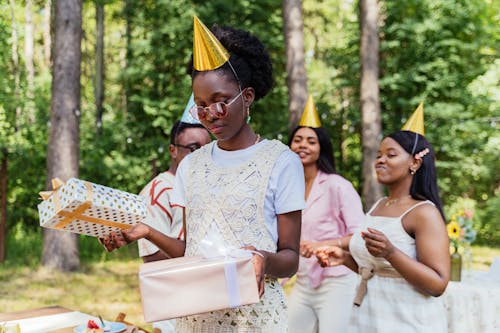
<point x="60" y="249"/>
<point x="15" y="67"/>
<point x="371" y="127"/>
<point x="295" y="64"/>
<point x="47" y="10"/>
<point x="99" y="65"/>
<point x="128" y="12"/>
<point x="28" y="63"/>
<point x="3" y="203"/>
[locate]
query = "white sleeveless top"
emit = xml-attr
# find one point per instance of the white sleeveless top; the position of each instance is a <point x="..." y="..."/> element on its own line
<point x="392" y="305"/>
<point x="231" y="199"/>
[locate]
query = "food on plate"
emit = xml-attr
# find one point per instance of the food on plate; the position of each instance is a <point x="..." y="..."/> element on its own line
<point x="92" y="327"/>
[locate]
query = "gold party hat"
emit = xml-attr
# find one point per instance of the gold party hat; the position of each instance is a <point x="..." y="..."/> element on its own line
<point x="310" y="116"/>
<point x="416" y="121"/>
<point x="208" y="52"/>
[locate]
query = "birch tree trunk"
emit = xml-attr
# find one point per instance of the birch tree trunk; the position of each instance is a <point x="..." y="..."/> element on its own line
<point x="47" y="11"/>
<point x="15" y="67"/>
<point x="371" y="127"/>
<point x="99" y="65"/>
<point x="60" y="249"/>
<point x="296" y="79"/>
<point x="28" y="63"/>
<point x="3" y="201"/>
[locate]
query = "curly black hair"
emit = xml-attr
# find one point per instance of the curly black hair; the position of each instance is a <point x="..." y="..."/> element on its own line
<point x="424" y="185"/>
<point x="249" y="58"/>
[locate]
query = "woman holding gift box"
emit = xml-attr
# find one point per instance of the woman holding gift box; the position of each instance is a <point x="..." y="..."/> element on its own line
<point x="249" y="189"/>
<point x="320" y="298"/>
<point x="402" y="254"/>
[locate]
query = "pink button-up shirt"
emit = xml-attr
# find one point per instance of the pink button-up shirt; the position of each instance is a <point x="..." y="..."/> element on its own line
<point x="333" y="210"/>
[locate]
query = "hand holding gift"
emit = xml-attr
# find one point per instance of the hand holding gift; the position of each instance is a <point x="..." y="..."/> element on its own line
<point x="90" y="209"/>
<point x="228" y="281"/>
<point x="259" y="264"/>
<point x="115" y="240"/>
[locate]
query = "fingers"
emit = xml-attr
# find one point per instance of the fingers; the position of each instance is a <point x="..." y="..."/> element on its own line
<point x="377" y="243"/>
<point x="259" y="264"/>
<point x="107" y="242"/>
<point x="113" y="241"/>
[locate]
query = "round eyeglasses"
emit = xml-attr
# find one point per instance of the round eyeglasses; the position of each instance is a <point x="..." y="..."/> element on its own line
<point x="191" y="147"/>
<point x="215" y="110"/>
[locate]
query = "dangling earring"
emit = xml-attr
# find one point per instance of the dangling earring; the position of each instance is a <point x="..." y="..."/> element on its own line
<point x="248" y="116"/>
<point x="412" y="172"/>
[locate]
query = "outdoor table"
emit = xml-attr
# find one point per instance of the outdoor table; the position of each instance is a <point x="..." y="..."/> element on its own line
<point x="53" y="319"/>
<point x="473" y="304"/>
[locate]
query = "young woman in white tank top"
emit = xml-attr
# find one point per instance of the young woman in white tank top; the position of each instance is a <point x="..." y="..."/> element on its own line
<point x="402" y="252"/>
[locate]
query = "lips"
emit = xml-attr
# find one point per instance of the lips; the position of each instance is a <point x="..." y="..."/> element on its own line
<point x="216" y="129"/>
<point x="302" y="154"/>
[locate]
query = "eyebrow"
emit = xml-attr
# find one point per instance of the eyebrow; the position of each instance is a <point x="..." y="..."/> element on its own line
<point x="215" y="95"/>
<point x="307" y="137"/>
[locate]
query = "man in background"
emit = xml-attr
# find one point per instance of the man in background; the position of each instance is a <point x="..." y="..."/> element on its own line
<point x="184" y="139"/>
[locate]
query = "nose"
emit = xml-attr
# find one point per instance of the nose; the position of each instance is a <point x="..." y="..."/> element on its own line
<point x="302" y="143"/>
<point x="209" y="117"/>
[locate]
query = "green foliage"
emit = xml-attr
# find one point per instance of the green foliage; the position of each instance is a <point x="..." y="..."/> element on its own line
<point x="332" y="60"/>
<point x="489" y="230"/>
<point x="442" y="52"/>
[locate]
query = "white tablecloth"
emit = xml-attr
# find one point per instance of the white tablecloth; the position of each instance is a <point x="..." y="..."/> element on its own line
<point x="473" y="304"/>
<point x="52" y="322"/>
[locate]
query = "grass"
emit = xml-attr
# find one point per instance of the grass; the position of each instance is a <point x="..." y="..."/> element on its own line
<point x="105" y="288"/>
<point x="106" y="284"/>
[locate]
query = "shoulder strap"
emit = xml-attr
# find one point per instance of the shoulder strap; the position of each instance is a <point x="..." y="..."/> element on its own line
<point x="375" y="205"/>
<point x="415" y="206"/>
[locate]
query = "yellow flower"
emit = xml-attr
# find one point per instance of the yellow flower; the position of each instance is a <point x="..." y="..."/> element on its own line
<point x="453" y="230"/>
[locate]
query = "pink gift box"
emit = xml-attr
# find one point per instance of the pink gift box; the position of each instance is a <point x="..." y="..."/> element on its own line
<point x="185" y="286"/>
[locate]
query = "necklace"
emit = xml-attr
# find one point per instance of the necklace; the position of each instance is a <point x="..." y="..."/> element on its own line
<point x="395" y="201"/>
<point x="257" y="140"/>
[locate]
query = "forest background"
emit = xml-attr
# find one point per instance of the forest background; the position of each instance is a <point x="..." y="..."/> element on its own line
<point x="444" y="53"/>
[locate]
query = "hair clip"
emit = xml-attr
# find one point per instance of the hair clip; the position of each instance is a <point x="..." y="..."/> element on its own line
<point x="419" y="155"/>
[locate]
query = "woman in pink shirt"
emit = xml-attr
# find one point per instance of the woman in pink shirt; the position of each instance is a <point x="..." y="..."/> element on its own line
<point x="321" y="298"/>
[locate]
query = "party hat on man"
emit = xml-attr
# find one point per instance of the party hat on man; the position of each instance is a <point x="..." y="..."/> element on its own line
<point x="310" y="116"/>
<point x="416" y="121"/>
<point x="208" y="52"/>
<point x="186" y="115"/>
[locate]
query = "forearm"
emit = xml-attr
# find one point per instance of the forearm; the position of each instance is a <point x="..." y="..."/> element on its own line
<point x="282" y="264"/>
<point x="342" y="242"/>
<point x="158" y="255"/>
<point x="422" y="277"/>
<point x="171" y="247"/>
<point x="350" y="263"/>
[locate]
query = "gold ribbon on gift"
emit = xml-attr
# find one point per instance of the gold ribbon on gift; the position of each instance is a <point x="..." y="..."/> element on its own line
<point x="78" y="212"/>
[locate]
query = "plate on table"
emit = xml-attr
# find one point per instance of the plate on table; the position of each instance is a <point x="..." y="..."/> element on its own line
<point x="109" y="327"/>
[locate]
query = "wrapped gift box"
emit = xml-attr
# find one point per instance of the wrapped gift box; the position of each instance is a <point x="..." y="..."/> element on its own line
<point x="85" y="208"/>
<point x="185" y="286"/>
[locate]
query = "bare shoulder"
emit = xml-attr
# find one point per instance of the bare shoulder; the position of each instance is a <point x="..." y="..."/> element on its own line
<point x="424" y="217"/>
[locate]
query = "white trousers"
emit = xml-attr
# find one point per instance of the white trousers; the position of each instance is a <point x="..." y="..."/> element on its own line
<point x="326" y="309"/>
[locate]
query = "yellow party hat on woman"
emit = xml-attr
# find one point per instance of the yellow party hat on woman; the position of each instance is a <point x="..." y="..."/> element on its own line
<point x="310" y="116"/>
<point x="208" y="52"/>
<point x="416" y="121"/>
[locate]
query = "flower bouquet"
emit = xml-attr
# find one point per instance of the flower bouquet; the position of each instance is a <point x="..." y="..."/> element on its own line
<point x="462" y="234"/>
<point x="461" y="229"/>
